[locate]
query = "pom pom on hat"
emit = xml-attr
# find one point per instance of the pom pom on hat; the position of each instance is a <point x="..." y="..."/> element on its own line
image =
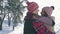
<point x="52" y="7"/>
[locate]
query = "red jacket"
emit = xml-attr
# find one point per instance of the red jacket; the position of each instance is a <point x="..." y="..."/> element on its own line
<point x="41" y="28"/>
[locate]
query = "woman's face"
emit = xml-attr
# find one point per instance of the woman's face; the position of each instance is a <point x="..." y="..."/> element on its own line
<point x="43" y="13"/>
<point x="36" y="11"/>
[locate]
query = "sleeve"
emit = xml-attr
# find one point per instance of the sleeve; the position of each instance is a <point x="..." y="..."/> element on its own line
<point x="53" y="23"/>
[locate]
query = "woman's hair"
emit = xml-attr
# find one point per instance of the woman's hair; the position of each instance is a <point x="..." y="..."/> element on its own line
<point x="29" y="15"/>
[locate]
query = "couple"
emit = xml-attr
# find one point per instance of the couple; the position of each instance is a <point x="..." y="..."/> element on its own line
<point x="35" y="24"/>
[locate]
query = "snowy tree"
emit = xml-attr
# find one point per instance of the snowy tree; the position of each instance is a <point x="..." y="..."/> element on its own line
<point x="16" y="8"/>
<point x="13" y="7"/>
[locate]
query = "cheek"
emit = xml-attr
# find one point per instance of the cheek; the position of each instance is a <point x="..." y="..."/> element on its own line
<point x="36" y="11"/>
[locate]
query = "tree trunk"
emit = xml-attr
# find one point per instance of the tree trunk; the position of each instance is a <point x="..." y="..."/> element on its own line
<point x="0" y="23"/>
<point x="8" y="19"/>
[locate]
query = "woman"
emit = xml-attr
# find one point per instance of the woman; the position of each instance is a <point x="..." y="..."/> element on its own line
<point x="48" y="18"/>
<point x="32" y="9"/>
<point x="45" y="24"/>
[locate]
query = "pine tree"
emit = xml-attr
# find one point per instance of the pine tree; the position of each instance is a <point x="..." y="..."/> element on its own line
<point x="16" y="7"/>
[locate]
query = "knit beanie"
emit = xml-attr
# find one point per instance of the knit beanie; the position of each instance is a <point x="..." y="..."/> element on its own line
<point x="32" y="6"/>
<point x="48" y="10"/>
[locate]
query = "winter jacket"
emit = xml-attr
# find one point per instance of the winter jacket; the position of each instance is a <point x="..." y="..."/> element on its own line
<point x="28" y="26"/>
<point x="42" y="28"/>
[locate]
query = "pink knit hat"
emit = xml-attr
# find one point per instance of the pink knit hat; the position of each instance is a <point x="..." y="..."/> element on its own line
<point x="32" y="6"/>
<point x="48" y="10"/>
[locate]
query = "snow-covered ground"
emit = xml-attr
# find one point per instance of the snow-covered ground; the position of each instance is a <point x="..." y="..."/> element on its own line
<point x="9" y="30"/>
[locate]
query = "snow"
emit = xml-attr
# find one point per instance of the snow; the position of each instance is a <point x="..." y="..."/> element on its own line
<point x="19" y="29"/>
<point x="9" y="30"/>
